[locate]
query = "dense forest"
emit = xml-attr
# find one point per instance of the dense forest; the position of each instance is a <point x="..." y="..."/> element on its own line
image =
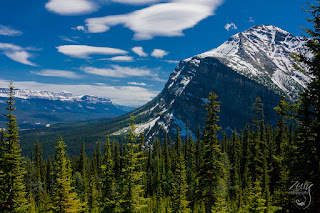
<point x="259" y="169"/>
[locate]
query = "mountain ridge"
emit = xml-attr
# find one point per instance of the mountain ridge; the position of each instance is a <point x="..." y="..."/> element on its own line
<point x="264" y="54"/>
<point x="43" y="108"/>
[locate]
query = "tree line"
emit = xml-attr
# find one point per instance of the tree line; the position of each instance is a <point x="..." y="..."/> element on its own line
<point x="249" y="172"/>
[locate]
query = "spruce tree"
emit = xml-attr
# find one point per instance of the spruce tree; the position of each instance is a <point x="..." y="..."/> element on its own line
<point x="236" y="189"/>
<point x="281" y="156"/>
<point x="180" y="187"/>
<point x="133" y="191"/>
<point x="82" y="166"/>
<point x="211" y="165"/>
<point x="108" y="195"/>
<point x="256" y="200"/>
<point x="64" y="199"/>
<point x="309" y="133"/>
<point x="12" y="188"/>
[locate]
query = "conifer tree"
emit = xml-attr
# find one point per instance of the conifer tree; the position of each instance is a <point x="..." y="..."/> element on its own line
<point x="211" y="165"/>
<point x="12" y="188"/>
<point x="39" y="186"/>
<point x="1" y="136"/>
<point x="281" y="155"/>
<point x="180" y="187"/>
<point x="117" y="160"/>
<point x="64" y="199"/>
<point x="49" y="176"/>
<point x="309" y="133"/>
<point x="132" y="175"/>
<point x="82" y="165"/>
<point x="258" y="144"/>
<point x="246" y="158"/>
<point x="256" y="200"/>
<point x="97" y="157"/>
<point x="32" y="204"/>
<point x="38" y="161"/>
<point x="93" y="194"/>
<point x="108" y="195"/>
<point x="235" y="172"/>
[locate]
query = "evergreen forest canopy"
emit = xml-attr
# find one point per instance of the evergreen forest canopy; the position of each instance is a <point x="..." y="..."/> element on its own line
<point x="252" y="171"/>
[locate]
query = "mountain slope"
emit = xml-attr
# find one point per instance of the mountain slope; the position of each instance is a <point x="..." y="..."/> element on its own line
<point x="254" y="63"/>
<point x="251" y="64"/>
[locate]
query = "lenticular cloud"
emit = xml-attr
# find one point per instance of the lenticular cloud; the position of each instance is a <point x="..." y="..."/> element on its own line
<point x="71" y="7"/>
<point x="165" y="19"/>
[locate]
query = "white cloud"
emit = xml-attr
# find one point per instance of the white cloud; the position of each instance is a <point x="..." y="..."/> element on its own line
<point x="136" y="1"/>
<point x="57" y="73"/>
<point x="172" y="61"/>
<point x="158" y="53"/>
<point x="139" y="51"/>
<point x="121" y="58"/>
<point x="80" y="28"/>
<point x="137" y="83"/>
<point x="100" y="84"/>
<point x="124" y="95"/>
<point x="165" y="19"/>
<point x="117" y="71"/>
<point x="8" y="31"/>
<point x="230" y="26"/>
<point x="16" y="53"/>
<point x="83" y="51"/>
<point x="71" y="7"/>
<point x="251" y="20"/>
<point x="68" y="39"/>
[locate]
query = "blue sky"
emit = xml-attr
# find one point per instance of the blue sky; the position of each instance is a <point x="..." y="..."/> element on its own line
<point x="121" y="49"/>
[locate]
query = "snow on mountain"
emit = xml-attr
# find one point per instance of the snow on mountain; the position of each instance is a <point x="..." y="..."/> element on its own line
<point x="262" y="54"/>
<point x="61" y="96"/>
<point x="38" y="108"/>
<point x="256" y="62"/>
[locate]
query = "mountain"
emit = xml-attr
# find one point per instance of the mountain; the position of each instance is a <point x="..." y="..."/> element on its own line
<point x="254" y="63"/>
<point x="42" y="108"/>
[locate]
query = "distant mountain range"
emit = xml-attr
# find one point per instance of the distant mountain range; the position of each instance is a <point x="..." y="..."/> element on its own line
<point x="43" y="109"/>
<point x="254" y="63"/>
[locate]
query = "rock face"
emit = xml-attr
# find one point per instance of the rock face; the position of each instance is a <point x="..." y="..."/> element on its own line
<point x="42" y="108"/>
<point x="251" y="64"/>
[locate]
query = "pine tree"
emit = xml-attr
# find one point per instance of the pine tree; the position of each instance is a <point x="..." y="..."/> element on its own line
<point x="108" y="195"/>
<point x="132" y="174"/>
<point x="235" y="172"/>
<point x="12" y="188"/>
<point x="246" y="158"/>
<point x="117" y="160"/>
<point x="309" y="133"/>
<point x="258" y="142"/>
<point x="49" y="176"/>
<point x="180" y="187"/>
<point x="32" y="204"/>
<point x="281" y="155"/>
<point x="38" y="161"/>
<point x="97" y="157"/>
<point x="211" y="166"/>
<point x="64" y="199"/>
<point x="82" y="165"/>
<point x="93" y="194"/>
<point x="39" y="188"/>
<point x="256" y="200"/>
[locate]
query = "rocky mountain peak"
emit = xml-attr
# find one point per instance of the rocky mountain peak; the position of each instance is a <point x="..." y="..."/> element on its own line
<point x="250" y="64"/>
<point x="263" y="54"/>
